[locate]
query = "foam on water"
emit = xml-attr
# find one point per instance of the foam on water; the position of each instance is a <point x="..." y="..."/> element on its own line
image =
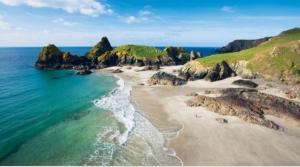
<point x="118" y="102"/>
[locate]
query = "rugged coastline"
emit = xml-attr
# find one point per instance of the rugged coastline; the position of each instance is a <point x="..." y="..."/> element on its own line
<point x="246" y="103"/>
<point x="170" y="115"/>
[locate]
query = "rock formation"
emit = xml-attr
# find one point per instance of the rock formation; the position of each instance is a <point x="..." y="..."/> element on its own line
<point x="163" y="78"/>
<point x="194" y="70"/>
<point x="99" y="49"/>
<point x="220" y="71"/>
<point x="178" y="55"/>
<point x="249" y="105"/>
<point x="238" y="45"/>
<point x="51" y="57"/>
<point x="246" y="83"/>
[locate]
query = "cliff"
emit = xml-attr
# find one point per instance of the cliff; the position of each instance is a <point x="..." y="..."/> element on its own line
<point x="238" y="45"/>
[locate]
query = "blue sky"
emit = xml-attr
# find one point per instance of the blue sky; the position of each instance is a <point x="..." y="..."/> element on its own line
<point x="150" y="22"/>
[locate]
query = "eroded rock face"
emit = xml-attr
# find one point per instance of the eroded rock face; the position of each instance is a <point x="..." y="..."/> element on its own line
<point x="178" y="55"/>
<point x="163" y="78"/>
<point x="195" y="70"/>
<point x="220" y="71"/>
<point x="246" y="83"/>
<point x="249" y="105"/>
<point x="51" y="57"/>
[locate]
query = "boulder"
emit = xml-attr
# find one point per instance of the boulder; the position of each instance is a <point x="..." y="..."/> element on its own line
<point x="220" y="71"/>
<point x="117" y="71"/>
<point x="246" y="83"/>
<point x="163" y="78"/>
<point x="193" y="70"/>
<point x="83" y="72"/>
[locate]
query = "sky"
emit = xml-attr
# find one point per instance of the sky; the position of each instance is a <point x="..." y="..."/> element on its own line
<point x="150" y="22"/>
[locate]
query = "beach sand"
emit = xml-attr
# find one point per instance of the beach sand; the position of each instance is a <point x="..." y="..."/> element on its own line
<point x="196" y="136"/>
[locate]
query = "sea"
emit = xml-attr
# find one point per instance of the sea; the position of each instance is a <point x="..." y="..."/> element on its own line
<point x="54" y="117"/>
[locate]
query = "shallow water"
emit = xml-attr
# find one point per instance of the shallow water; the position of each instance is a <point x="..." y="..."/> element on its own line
<point x="58" y="118"/>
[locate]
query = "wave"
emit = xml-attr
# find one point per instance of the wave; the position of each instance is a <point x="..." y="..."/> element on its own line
<point x="118" y="102"/>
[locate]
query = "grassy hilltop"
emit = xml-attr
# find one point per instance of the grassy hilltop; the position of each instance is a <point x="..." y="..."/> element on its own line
<point x="278" y="57"/>
<point x="140" y="51"/>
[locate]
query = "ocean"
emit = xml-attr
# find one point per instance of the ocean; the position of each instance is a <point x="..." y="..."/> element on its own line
<point x="50" y="117"/>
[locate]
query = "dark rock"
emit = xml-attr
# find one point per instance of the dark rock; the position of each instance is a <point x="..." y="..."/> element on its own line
<point x="83" y="72"/>
<point x="249" y="105"/>
<point x="220" y="71"/>
<point x="238" y="45"/>
<point x="178" y="55"/>
<point x="246" y="83"/>
<point x="163" y="78"/>
<point x="222" y="120"/>
<point x="117" y="71"/>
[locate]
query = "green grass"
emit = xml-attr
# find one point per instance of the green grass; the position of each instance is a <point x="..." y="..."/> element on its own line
<point x="140" y="51"/>
<point x="285" y="37"/>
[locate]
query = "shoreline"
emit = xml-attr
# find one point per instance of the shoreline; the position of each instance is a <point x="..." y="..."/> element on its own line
<point x="194" y="134"/>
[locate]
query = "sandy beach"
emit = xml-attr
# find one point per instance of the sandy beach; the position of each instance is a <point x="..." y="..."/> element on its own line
<point x="196" y="136"/>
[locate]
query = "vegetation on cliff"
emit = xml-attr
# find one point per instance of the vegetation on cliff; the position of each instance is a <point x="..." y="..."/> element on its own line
<point x="277" y="58"/>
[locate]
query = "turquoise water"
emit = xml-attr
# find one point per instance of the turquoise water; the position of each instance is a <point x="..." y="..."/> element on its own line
<point x="47" y="117"/>
<point x="58" y="118"/>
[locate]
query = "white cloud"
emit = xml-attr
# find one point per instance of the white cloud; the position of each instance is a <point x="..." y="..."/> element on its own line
<point x="134" y="19"/>
<point x="62" y="21"/>
<point x="143" y="15"/>
<point x="85" y="7"/>
<point x="4" y="25"/>
<point x="227" y="9"/>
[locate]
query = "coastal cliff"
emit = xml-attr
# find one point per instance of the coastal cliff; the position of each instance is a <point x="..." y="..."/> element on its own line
<point x="277" y="59"/>
<point x="238" y="45"/>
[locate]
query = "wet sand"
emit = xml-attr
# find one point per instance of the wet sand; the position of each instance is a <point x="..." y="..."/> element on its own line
<point x="196" y="136"/>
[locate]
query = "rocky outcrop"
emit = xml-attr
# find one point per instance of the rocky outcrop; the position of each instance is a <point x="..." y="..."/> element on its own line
<point x="242" y="70"/>
<point x="117" y="71"/>
<point x="249" y="105"/>
<point x="99" y="49"/>
<point x="51" y="57"/>
<point x="246" y="83"/>
<point x="83" y="72"/>
<point x="163" y="78"/>
<point x="178" y="55"/>
<point x="238" y="45"/>
<point x="220" y="71"/>
<point x="195" y="70"/>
